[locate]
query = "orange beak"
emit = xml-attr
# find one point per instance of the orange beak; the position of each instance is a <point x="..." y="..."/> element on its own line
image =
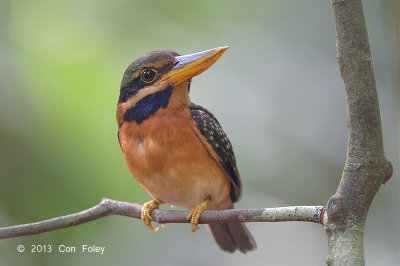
<point x="189" y="66"/>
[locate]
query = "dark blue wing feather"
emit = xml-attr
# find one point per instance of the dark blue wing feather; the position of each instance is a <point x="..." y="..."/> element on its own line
<point x="210" y="128"/>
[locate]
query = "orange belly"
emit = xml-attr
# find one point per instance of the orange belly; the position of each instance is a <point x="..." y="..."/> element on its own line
<point x="171" y="162"/>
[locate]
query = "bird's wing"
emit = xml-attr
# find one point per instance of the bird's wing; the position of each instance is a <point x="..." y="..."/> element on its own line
<point x="212" y="131"/>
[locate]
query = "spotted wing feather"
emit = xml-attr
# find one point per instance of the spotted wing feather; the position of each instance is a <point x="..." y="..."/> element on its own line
<point x="210" y="128"/>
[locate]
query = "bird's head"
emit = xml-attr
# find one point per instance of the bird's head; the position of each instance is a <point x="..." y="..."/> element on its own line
<point x="158" y="78"/>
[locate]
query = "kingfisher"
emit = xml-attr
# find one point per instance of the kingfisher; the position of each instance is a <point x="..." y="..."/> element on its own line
<point x="175" y="149"/>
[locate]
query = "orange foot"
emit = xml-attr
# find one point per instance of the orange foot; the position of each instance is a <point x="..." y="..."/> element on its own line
<point x="146" y="211"/>
<point x="196" y="213"/>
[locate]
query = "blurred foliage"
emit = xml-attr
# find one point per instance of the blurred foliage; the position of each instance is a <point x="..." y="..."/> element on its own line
<point x="277" y="93"/>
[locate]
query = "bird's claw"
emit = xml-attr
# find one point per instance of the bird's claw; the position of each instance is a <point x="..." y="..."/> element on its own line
<point x="146" y="211"/>
<point x="195" y="214"/>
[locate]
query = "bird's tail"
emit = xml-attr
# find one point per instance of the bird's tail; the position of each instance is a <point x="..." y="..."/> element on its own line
<point x="233" y="236"/>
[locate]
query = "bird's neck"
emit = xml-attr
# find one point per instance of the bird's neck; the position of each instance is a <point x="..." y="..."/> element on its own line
<point x="169" y="99"/>
<point x="179" y="97"/>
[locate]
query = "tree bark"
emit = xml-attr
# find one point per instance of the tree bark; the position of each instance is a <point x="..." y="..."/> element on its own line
<point x="366" y="167"/>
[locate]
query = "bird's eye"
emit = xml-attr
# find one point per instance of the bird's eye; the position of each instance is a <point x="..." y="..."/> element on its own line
<point x="148" y="75"/>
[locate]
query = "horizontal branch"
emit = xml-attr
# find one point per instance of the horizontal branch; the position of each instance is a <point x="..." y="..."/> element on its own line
<point x="112" y="207"/>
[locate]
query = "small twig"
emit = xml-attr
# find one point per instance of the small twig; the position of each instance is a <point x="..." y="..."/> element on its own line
<point x="112" y="207"/>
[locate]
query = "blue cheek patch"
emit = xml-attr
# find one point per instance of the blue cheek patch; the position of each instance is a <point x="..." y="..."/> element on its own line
<point x="148" y="105"/>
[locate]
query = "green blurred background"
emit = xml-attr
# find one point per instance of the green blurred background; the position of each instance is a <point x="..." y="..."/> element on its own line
<point x="277" y="92"/>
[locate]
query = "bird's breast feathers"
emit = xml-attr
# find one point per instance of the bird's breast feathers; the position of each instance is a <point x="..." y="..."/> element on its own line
<point x="171" y="160"/>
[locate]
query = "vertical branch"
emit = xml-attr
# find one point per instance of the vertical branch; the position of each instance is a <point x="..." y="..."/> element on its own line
<point x="366" y="167"/>
<point x="393" y="11"/>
